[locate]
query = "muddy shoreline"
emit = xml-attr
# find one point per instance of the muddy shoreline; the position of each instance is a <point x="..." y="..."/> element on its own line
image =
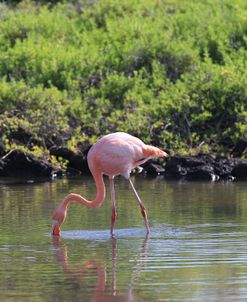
<point x="202" y="167"/>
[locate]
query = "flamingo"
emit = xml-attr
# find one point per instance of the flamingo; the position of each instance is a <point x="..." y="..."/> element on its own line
<point x="114" y="154"/>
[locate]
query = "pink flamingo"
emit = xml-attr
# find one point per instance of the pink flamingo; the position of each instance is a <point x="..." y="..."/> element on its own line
<point x="114" y="154"/>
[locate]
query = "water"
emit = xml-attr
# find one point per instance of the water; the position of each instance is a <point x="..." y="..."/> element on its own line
<point x="197" y="249"/>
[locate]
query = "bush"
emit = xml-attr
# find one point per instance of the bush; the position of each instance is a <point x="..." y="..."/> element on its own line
<point x="32" y="115"/>
<point x="173" y="73"/>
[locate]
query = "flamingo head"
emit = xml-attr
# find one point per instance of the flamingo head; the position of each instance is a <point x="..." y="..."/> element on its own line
<point x="56" y="230"/>
<point x="58" y="217"/>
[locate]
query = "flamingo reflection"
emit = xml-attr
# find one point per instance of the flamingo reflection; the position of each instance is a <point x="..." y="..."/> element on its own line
<point x="101" y="293"/>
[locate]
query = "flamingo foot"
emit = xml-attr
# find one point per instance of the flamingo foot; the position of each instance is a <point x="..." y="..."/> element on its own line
<point x="56" y="231"/>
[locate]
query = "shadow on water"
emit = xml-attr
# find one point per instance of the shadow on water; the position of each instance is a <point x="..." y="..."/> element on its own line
<point x="104" y="290"/>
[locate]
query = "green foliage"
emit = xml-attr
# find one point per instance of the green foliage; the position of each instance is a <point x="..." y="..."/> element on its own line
<point x="174" y="73"/>
<point x="32" y="115"/>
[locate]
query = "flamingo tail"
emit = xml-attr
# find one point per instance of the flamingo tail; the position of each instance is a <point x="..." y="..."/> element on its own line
<point x="153" y="152"/>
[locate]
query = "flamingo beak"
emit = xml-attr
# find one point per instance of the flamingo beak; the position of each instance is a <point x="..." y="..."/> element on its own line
<point x="56" y="228"/>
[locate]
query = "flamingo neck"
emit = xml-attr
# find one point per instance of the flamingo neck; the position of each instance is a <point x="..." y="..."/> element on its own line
<point x="60" y="213"/>
<point x="100" y="196"/>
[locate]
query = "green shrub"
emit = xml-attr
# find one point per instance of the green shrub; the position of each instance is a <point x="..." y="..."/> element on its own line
<point x="173" y="73"/>
<point x="32" y="115"/>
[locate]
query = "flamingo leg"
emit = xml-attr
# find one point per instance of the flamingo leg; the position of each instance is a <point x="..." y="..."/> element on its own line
<point x="113" y="200"/>
<point x="143" y="210"/>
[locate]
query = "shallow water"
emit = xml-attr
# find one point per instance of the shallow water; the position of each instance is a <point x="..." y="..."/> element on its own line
<point x="197" y="249"/>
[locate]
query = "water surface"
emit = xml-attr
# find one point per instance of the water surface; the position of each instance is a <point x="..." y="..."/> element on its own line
<point x="197" y="249"/>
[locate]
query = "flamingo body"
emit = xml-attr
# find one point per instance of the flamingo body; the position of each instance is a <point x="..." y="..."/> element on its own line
<point x="117" y="154"/>
<point x="114" y="154"/>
